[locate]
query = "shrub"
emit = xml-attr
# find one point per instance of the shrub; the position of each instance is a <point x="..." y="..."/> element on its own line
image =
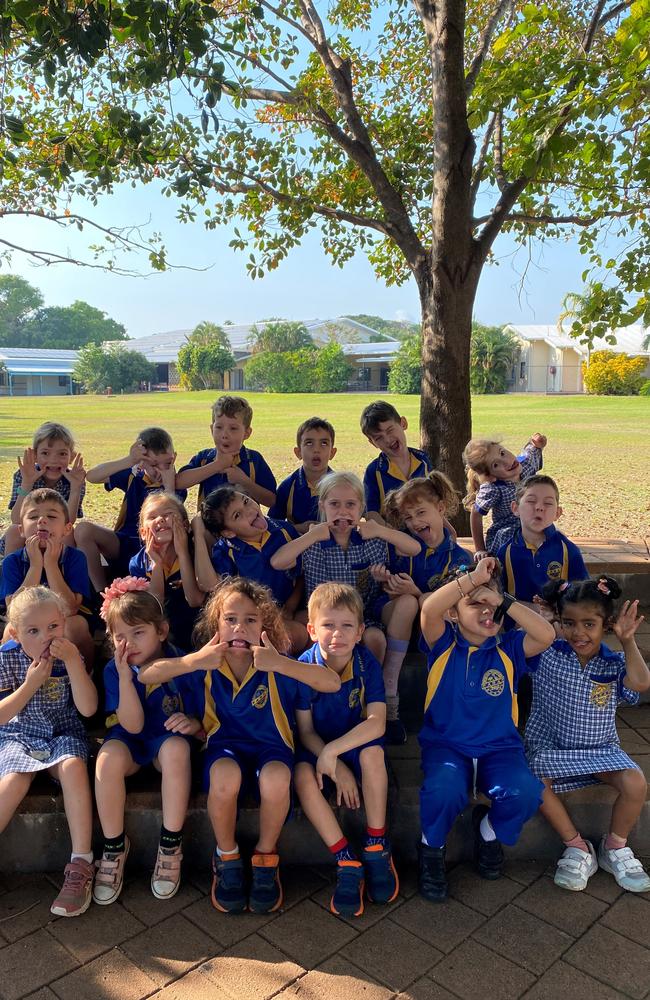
<point x="610" y="374"/>
<point x="645" y="388"/>
<point x="405" y="376"/>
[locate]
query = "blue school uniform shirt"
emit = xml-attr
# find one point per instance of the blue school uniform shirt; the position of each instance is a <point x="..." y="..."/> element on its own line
<point x="527" y="570"/>
<point x="382" y="476"/>
<point x="250" y="462"/>
<point x="182" y="618"/>
<point x="136" y="485"/>
<point x="158" y="701"/>
<point x="430" y="566"/>
<point x="72" y="563"/>
<point x="235" y="557"/>
<point x="471" y="700"/>
<point x="295" y="499"/>
<point x="258" y="713"/>
<point x="336" y="713"/>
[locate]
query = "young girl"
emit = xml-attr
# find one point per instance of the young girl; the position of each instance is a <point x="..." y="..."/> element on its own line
<point x="246" y="542"/>
<point x="571" y="737"/>
<point x="469" y="735"/>
<point x="492" y="476"/>
<point x="246" y="696"/>
<point x="145" y="724"/>
<point x="43" y="687"/>
<point x="166" y="561"/>
<point x="344" y="548"/>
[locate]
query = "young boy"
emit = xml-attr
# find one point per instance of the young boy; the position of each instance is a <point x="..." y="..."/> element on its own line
<point x="229" y="461"/>
<point x="297" y="495"/>
<point x="149" y="466"/>
<point x="341" y="736"/>
<point x="538" y="552"/>
<point x="50" y="463"/>
<point x="46" y="559"/>
<point x="396" y="464"/>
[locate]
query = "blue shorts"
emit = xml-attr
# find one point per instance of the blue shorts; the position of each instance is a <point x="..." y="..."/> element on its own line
<point x="351" y="757"/>
<point x="129" y="547"/>
<point x="143" y="750"/>
<point x="249" y="759"/>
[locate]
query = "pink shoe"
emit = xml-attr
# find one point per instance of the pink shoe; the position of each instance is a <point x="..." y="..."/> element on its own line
<point x="110" y="876"/>
<point x="166" y="878"/>
<point x="77" y="889"/>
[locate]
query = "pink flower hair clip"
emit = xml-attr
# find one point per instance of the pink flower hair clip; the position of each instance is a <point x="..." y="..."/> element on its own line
<point x="120" y="586"/>
<point x="602" y="586"/>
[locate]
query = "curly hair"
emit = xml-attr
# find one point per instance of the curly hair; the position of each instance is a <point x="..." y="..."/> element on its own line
<point x="601" y="592"/>
<point x="233" y="406"/>
<point x="433" y="488"/>
<point x="262" y="598"/>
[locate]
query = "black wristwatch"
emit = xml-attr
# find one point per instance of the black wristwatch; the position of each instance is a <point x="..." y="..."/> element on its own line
<point x="504" y="607"/>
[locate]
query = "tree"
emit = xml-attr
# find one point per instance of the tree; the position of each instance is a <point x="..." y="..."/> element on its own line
<point x="18" y="300"/>
<point x="492" y="352"/>
<point x="205" y="358"/>
<point x="280" y="335"/>
<point x="287" y="371"/>
<point x="405" y="376"/>
<point x="610" y="374"/>
<point x="69" y="327"/>
<point x="332" y="369"/>
<point x="123" y="370"/>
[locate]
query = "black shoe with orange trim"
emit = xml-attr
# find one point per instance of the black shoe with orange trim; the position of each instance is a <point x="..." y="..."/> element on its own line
<point x="266" y="889"/>
<point x="228" y="888"/>
<point x="383" y="883"/>
<point x="347" y="899"/>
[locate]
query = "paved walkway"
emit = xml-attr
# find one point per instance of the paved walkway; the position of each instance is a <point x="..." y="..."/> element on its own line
<point x="518" y="937"/>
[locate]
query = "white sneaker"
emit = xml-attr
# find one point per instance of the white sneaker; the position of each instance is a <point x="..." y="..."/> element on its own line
<point x="575" y="868"/>
<point x="626" y="869"/>
<point x="110" y="876"/>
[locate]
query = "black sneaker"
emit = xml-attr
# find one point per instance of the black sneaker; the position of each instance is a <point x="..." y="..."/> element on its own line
<point x="488" y="854"/>
<point x="395" y="735"/>
<point x="228" y="891"/>
<point x="432" y="882"/>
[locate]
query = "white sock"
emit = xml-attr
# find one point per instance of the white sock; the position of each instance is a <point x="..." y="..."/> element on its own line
<point x="486" y="830"/>
<point x="84" y="857"/>
<point x="227" y="854"/>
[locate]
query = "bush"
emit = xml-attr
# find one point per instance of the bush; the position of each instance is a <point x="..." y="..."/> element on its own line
<point x="405" y="376"/>
<point x="304" y="370"/>
<point x="98" y="367"/>
<point x="645" y="388"/>
<point x="610" y="374"/>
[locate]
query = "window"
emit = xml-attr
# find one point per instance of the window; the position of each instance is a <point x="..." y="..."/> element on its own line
<point x="522" y="369"/>
<point x="364" y="374"/>
<point x="64" y="381"/>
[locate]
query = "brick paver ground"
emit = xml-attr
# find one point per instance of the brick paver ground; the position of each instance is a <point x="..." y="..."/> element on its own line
<point x="519" y="937"/>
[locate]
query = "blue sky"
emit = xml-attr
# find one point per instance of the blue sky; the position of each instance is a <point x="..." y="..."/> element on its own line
<point x="306" y="286"/>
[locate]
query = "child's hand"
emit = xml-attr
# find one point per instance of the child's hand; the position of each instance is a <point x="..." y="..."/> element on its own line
<point x="223" y="461"/>
<point x="76" y="474"/>
<point x="197" y="526"/>
<point x="210" y="656"/>
<point x="34" y="554"/>
<point x="179" y="537"/>
<point x="124" y="671"/>
<point x="380" y="573"/>
<point x="152" y="549"/>
<point x="28" y="470"/>
<point x="484" y="571"/>
<point x="481" y="554"/>
<point x="487" y="596"/>
<point x="52" y="553"/>
<point x="627" y="622"/>
<point x="401" y="583"/>
<point x="326" y="765"/>
<point x="539" y="440"/>
<point x="38" y="672"/>
<point x="347" y="789"/>
<point x="63" y="649"/>
<point x="370" y="529"/>
<point x="168" y="476"/>
<point x="137" y="452"/>
<point x="319" y="531"/>
<point x="178" y="722"/>
<point x="264" y="656"/>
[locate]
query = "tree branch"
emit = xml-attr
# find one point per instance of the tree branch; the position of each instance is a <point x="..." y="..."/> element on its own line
<point x="482" y="156"/>
<point x="565" y="220"/>
<point x="503" y="7"/>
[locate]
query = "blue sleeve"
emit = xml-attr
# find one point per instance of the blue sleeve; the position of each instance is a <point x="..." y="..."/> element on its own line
<point x="512" y="643"/>
<point x="374" y="680"/>
<point x="577" y="568"/>
<point x="439" y="646"/>
<point x="118" y="481"/>
<point x="304" y="697"/>
<point x="137" y="564"/>
<point x="13" y="574"/>
<point x="221" y="561"/>
<point x="263" y="475"/>
<point x="194" y="463"/>
<point x="278" y="510"/>
<point x="75" y="572"/>
<point x="485" y="498"/>
<point x="370" y="488"/>
<point x="111" y="688"/>
<point x="190" y="687"/>
<point x="7" y="679"/>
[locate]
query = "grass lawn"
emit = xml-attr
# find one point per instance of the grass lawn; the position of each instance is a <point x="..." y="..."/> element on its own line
<point x="598" y="446"/>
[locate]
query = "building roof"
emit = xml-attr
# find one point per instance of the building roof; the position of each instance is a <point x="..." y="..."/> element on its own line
<point x="37" y="361"/>
<point x="629" y="339"/>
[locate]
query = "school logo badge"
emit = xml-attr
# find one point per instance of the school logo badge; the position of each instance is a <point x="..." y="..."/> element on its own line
<point x="493" y="683"/>
<point x="601" y="695"/>
<point x="355" y="698"/>
<point x="435" y="580"/>
<point x="54" y="690"/>
<point x="260" y="697"/>
<point x="170" y="704"/>
<point x="554" y="570"/>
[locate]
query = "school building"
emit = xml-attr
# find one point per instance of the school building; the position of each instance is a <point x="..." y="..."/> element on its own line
<point x="36" y="372"/>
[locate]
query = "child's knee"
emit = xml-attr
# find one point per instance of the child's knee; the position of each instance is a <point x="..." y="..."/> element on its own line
<point x="225" y="781"/>
<point x="113" y="761"/>
<point x="407" y="606"/>
<point x="76" y="629"/>
<point x="444" y="785"/>
<point x="274" y="781"/>
<point x="634" y="784"/>
<point x="174" y="754"/>
<point x="304" y="777"/>
<point x="372" y="760"/>
<point x="73" y="769"/>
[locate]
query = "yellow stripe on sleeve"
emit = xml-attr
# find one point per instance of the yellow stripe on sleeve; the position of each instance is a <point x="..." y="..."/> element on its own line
<point x="435" y="674"/>
<point x="279" y="714"/>
<point x="510" y="674"/>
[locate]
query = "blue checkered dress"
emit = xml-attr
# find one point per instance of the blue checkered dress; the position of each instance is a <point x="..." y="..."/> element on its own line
<point x="497" y="497"/>
<point x="48" y="729"/>
<point x="326" y="561"/>
<point x="571" y="733"/>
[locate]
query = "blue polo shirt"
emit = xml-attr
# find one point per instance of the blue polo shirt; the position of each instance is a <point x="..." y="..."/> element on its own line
<point x="235" y="557"/>
<point x="430" y="566"/>
<point x="250" y="462"/>
<point x="382" y="476"/>
<point x="72" y="563"/>
<point x="295" y="499"/>
<point x="258" y="713"/>
<point x="136" y="486"/>
<point x="336" y="713"/>
<point x="471" y="700"/>
<point x="182" y="618"/>
<point x="527" y="570"/>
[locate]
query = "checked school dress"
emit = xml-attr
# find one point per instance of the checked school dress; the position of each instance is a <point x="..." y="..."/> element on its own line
<point x="48" y="729"/>
<point x="571" y="733"/>
<point x="326" y="561"/>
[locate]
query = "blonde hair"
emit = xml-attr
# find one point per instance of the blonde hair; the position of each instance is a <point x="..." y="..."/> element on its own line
<point x="28" y="598"/>
<point x="433" y="487"/>
<point x="262" y="598"/>
<point x="334" y="479"/>
<point x="335" y="595"/>
<point x="162" y="496"/>
<point x="475" y="460"/>
<point x="50" y="431"/>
